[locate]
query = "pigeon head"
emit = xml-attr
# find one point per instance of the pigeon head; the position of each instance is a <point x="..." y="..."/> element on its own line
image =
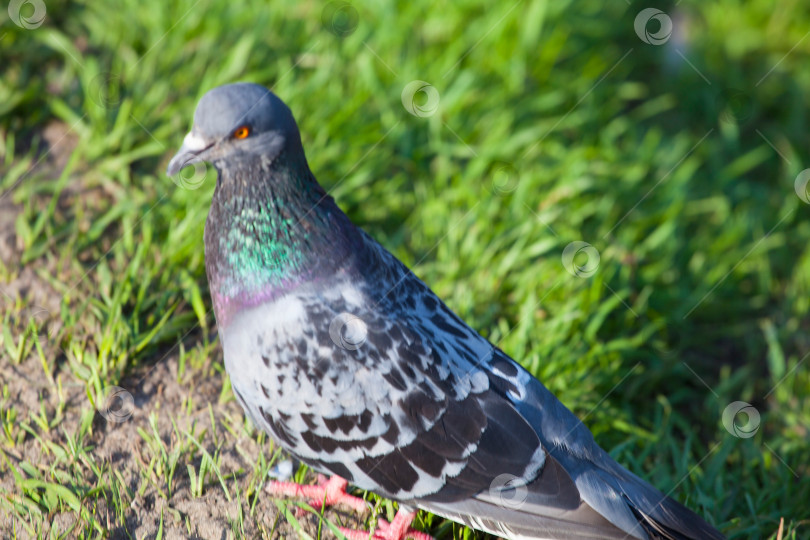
<point x="237" y="124"/>
<point x="270" y="226"/>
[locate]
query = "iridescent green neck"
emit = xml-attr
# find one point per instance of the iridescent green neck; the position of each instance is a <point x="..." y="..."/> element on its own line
<point x="271" y="228"/>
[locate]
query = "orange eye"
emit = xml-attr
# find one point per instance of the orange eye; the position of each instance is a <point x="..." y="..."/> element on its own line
<point x="241" y="132"/>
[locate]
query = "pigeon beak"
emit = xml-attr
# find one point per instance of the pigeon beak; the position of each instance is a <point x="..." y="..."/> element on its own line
<point x="190" y="152"/>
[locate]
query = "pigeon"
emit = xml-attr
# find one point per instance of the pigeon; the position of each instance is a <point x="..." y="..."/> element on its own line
<point x="356" y="368"/>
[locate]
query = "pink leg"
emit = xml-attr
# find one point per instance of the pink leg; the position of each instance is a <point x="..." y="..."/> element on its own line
<point x="399" y="529"/>
<point x="330" y="492"/>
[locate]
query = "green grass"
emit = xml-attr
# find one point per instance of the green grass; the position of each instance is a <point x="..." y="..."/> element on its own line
<point x="555" y="123"/>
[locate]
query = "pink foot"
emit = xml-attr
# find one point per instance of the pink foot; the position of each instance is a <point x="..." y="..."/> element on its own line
<point x="330" y="492"/>
<point x="399" y="529"/>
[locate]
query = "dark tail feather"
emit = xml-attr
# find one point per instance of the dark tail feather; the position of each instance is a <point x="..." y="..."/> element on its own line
<point x="623" y="498"/>
<point x="661" y="516"/>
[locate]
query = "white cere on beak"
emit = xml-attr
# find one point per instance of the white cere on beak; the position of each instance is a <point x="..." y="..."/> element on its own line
<point x="193" y="143"/>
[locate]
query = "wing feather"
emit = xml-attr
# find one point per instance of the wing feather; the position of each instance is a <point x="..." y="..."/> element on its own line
<point x="427" y="412"/>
